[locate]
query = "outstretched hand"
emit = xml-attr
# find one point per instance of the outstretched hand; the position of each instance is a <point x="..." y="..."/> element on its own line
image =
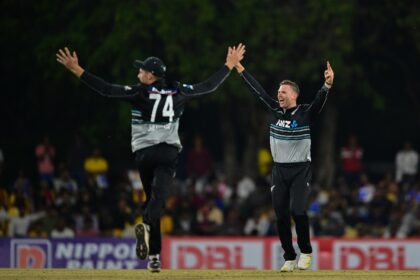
<point x="70" y="61"/>
<point x="234" y="55"/>
<point x="329" y="75"/>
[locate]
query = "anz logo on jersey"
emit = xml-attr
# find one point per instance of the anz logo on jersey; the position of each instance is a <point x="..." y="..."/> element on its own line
<point x="287" y="124"/>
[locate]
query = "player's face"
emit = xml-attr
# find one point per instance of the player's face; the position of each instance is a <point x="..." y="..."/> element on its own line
<point x="286" y="97"/>
<point x="146" y="77"/>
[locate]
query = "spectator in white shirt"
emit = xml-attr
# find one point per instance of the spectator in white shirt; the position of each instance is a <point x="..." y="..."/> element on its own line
<point x="62" y="230"/>
<point x="18" y="226"/>
<point x="406" y="163"/>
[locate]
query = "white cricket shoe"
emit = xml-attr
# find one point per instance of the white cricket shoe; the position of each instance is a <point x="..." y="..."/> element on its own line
<point x="154" y="264"/>
<point x="142" y="232"/>
<point x="288" y="266"/>
<point x="305" y="261"/>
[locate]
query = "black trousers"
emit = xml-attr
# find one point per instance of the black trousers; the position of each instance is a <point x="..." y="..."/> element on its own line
<point x="156" y="165"/>
<point x="290" y="192"/>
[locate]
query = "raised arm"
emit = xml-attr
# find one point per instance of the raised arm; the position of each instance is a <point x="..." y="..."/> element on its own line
<point x="255" y="87"/>
<point x="234" y="55"/>
<point x="321" y="97"/>
<point x="71" y="62"/>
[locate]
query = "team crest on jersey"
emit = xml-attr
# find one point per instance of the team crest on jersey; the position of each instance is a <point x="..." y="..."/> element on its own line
<point x="127" y="87"/>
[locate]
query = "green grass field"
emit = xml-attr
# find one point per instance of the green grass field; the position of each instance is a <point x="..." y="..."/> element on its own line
<point x="46" y="274"/>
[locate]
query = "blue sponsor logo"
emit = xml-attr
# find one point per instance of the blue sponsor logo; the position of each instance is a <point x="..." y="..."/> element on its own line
<point x="294" y="124"/>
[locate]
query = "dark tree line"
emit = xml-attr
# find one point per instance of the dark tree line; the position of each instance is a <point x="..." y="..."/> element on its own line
<point x="373" y="48"/>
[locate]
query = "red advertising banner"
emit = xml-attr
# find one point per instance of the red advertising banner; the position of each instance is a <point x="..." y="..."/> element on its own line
<point x="209" y="253"/>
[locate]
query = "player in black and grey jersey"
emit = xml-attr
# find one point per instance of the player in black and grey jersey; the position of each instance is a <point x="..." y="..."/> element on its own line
<point x="157" y="106"/>
<point x="290" y="143"/>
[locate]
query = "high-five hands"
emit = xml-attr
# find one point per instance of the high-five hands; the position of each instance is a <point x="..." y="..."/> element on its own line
<point x="329" y="76"/>
<point x="234" y="55"/>
<point x="70" y="61"/>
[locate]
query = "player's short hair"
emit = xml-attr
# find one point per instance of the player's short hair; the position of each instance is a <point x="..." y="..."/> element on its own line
<point x="294" y="86"/>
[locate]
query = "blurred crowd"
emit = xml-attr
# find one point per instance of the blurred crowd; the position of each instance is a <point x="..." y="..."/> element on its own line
<point x="78" y="198"/>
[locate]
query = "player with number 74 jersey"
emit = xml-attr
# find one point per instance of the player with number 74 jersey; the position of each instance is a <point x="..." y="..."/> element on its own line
<point x="157" y="106"/>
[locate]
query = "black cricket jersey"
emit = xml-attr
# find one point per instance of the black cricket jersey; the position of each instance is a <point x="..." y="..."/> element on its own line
<point x="156" y="108"/>
<point x="290" y="134"/>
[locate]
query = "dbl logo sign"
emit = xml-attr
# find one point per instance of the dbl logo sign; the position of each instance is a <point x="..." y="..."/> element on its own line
<point x="30" y="253"/>
<point x="204" y="254"/>
<point x="211" y="257"/>
<point x="372" y="256"/>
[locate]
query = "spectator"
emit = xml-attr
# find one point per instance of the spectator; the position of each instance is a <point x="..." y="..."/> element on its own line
<point x="184" y="223"/>
<point x="233" y="225"/>
<point x="351" y="157"/>
<point x="333" y="224"/>
<point x="366" y="189"/>
<point x="45" y="153"/>
<point x="258" y="224"/>
<point x="209" y="218"/>
<point x="50" y="220"/>
<point x="167" y="223"/>
<point x="62" y="230"/>
<point x="19" y="225"/>
<point x="199" y="160"/>
<point x="410" y="225"/>
<point x="88" y="229"/>
<point x="391" y="230"/>
<point x="265" y="161"/>
<point x="406" y="163"/>
<point x="65" y="181"/>
<point x="244" y="188"/>
<point x="37" y="231"/>
<point x="84" y="216"/>
<point x="96" y="166"/>
<point x="65" y="198"/>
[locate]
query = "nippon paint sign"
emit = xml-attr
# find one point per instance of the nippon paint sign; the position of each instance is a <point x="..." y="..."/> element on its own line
<point x="99" y="253"/>
<point x="376" y="255"/>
